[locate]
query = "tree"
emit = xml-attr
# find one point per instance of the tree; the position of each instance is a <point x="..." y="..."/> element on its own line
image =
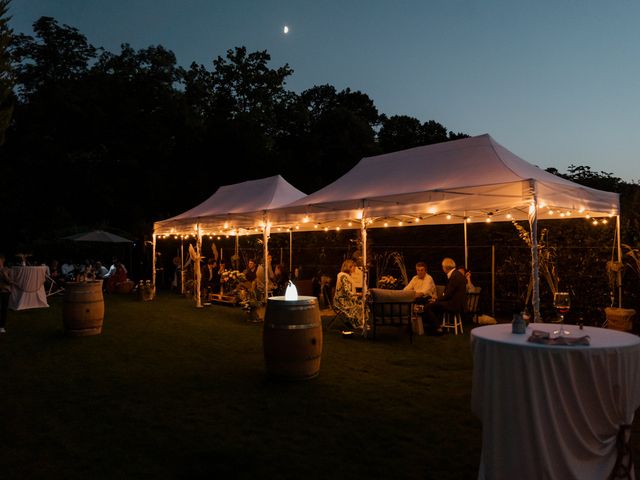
<point x="6" y="73"/>
<point x="61" y="54"/>
<point x="400" y="132"/>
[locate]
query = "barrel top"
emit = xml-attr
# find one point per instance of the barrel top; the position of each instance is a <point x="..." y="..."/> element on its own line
<point x="302" y="300"/>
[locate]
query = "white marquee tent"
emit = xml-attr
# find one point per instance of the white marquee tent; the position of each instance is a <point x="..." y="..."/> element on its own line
<point x="469" y="180"/>
<point x="241" y="203"/>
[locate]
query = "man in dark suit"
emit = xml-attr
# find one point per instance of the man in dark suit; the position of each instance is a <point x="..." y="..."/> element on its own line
<point x="452" y="299"/>
<point x="210" y="277"/>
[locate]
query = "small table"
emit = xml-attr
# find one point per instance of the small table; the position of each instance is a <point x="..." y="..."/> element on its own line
<point x="549" y="411"/>
<point x="28" y="288"/>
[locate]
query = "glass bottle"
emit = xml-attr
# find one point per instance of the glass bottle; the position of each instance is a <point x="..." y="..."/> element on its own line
<point x="518" y="324"/>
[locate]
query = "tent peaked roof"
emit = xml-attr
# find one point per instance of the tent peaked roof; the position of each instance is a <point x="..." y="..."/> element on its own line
<point x="98" y="236"/>
<point x="245" y="198"/>
<point x="474" y="174"/>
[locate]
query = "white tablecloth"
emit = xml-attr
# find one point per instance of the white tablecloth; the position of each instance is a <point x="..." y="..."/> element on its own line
<point x="28" y="289"/>
<point x="552" y="412"/>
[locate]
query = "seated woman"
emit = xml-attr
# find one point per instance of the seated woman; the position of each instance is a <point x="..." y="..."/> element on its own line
<point x="345" y="299"/>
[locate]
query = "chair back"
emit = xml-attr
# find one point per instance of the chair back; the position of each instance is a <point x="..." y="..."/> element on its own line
<point x="471" y="304"/>
<point x="391" y="307"/>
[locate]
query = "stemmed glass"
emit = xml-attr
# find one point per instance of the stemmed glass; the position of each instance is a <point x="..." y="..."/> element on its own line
<point x="562" y="304"/>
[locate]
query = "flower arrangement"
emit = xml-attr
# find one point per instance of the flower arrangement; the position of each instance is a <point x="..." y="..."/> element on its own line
<point x="231" y="278"/>
<point x="388" y="282"/>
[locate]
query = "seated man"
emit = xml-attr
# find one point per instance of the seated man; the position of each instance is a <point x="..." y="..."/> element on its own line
<point x="101" y="271"/>
<point x="422" y="284"/>
<point x="452" y="299"/>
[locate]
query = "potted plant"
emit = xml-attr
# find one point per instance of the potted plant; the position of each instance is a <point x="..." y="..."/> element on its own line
<point x="617" y="317"/>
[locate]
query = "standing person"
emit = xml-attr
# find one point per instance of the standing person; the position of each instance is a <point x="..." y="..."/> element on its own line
<point x="270" y="276"/>
<point x="281" y="277"/>
<point x="210" y="278"/>
<point x="5" y="290"/>
<point x="452" y="299"/>
<point x="422" y="283"/>
<point x="345" y="299"/>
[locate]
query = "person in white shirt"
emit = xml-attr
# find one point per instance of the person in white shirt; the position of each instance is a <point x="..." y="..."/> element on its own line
<point x="422" y="283"/>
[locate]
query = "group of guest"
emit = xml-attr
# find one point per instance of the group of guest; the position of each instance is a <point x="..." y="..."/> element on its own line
<point x="254" y="277"/>
<point x="347" y="301"/>
<point x="116" y="278"/>
<point x="452" y="299"/>
<point x="277" y="278"/>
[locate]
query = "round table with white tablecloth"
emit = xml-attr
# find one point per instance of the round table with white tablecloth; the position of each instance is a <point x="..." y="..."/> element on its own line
<point x="550" y="411"/>
<point x="28" y="287"/>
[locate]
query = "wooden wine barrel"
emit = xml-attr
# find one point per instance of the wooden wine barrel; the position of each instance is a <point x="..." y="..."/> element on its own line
<point x="83" y="308"/>
<point x="292" y="338"/>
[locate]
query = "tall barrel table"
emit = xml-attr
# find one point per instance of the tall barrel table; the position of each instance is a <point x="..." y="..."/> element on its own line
<point x="83" y="308"/>
<point x="292" y="338"/>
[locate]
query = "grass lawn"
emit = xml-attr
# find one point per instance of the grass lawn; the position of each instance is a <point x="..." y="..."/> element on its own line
<point x="171" y="391"/>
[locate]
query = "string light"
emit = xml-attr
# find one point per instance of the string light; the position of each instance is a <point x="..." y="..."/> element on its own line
<point x="386" y="224"/>
<point x="448" y="216"/>
<point x="400" y="224"/>
<point x="509" y="216"/>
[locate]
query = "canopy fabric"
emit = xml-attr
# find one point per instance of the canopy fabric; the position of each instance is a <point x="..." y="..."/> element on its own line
<point x="98" y="236"/>
<point x="241" y="203"/>
<point x="473" y="178"/>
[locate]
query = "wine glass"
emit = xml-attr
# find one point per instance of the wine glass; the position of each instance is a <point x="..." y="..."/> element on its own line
<point x="562" y="304"/>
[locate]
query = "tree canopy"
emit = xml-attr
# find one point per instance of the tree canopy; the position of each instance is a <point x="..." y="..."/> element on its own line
<point x="122" y="139"/>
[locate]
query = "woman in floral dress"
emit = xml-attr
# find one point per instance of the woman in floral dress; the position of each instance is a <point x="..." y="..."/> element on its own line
<point x="345" y="299"/>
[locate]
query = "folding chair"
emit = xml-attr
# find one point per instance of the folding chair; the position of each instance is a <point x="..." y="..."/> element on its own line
<point x="53" y="288"/>
<point x="338" y="315"/>
<point x="471" y="304"/>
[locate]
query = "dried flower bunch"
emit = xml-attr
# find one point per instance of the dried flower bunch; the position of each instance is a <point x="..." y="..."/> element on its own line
<point x="388" y="282"/>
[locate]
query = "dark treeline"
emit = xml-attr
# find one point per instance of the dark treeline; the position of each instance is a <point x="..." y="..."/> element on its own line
<point x="119" y="140"/>
<point x="99" y="139"/>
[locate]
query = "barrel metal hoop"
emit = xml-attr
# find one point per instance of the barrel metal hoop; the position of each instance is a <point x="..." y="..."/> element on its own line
<point x="276" y="326"/>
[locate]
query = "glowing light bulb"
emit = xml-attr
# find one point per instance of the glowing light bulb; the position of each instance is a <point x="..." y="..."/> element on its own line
<point x="291" y="293"/>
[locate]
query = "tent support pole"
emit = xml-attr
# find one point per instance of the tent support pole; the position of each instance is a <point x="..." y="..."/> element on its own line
<point x="533" y="224"/>
<point x="182" y="264"/>
<point x="466" y="246"/>
<point x="619" y="260"/>
<point x="196" y="267"/>
<point x="236" y="253"/>
<point x="365" y="270"/>
<point x="493" y="280"/>
<point x="153" y="260"/>
<point x="265" y="242"/>
<point x="290" y="254"/>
